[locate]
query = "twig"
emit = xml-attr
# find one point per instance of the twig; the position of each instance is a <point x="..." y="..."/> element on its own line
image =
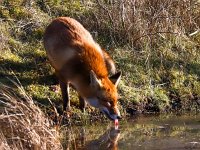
<point x="194" y="33"/>
<point x="57" y="115"/>
<point x="150" y="34"/>
<point x="7" y="115"/>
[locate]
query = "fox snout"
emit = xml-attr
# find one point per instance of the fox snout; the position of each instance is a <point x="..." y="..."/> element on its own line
<point x="111" y="114"/>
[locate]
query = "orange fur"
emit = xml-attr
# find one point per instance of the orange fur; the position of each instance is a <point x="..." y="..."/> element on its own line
<point x="74" y="54"/>
<point x="94" y="61"/>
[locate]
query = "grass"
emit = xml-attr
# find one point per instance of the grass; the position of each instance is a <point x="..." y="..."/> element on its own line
<point x="156" y="48"/>
<point x="156" y="45"/>
<point x="23" y="124"/>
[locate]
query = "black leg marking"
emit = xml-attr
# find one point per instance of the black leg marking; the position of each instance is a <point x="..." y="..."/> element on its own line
<point x="65" y="95"/>
<point x="82" y="104"/>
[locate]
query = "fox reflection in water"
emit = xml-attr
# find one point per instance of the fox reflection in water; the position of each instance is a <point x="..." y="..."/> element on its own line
<point x="107" y="141"/>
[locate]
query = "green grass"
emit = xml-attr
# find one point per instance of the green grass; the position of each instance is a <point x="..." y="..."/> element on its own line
<point x="159" y="72"/>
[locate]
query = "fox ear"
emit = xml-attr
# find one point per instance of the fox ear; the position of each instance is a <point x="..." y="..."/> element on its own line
<point x="94" y="81"/>
<point x="116" y="78"/>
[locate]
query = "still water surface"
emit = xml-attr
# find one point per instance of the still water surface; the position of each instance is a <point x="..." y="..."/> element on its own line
<point x="141" y="133"/>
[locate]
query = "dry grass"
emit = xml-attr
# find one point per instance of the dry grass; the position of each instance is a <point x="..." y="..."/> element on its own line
<point x="155" y="43"/>
<point x="22" y="124"/>
<point x="138" y="22"/>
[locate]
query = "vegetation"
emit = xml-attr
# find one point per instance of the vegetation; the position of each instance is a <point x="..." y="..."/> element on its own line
<point x="156" y="48"/>
<point x="156" y="44"/>
<point x="23" y="124"/>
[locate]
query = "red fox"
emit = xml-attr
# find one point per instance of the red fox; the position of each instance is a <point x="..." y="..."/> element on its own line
<point x="79" y="60"/>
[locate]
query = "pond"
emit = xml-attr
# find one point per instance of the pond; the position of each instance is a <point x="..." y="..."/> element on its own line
<point x="168" y="132"/>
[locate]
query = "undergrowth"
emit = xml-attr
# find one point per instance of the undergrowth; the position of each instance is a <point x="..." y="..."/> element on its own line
<point x="22" y="123"/>
<point x="154" y="43"/>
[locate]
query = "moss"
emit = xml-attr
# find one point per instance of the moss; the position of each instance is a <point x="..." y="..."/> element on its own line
<point x="158" y="71"/>
<point x="4" y="13"/>
<point x="42" y="93"/>
<point x="63" y="8"/>
<point x="38" y="33"/>
<point x="161" y="98"/>
<point x="8" y="55"/>
<point x="196" y="87"/>
<point x="19" y="12"/>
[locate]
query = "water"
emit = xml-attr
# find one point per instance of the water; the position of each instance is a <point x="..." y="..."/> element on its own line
<point x="142" y="133"/>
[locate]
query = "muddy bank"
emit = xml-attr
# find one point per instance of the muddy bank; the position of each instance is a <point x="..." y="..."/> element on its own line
<point x="127" y="109"/>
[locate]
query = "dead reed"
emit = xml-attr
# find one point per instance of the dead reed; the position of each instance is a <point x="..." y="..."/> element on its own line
<point x="138" y="22"/>
<point x="22" y="124"/>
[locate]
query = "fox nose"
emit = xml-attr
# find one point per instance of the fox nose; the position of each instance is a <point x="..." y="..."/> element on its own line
<point x="119" y="117"/>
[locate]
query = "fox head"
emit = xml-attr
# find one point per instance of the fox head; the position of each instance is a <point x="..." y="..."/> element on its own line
<point x="104" y="94"/>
